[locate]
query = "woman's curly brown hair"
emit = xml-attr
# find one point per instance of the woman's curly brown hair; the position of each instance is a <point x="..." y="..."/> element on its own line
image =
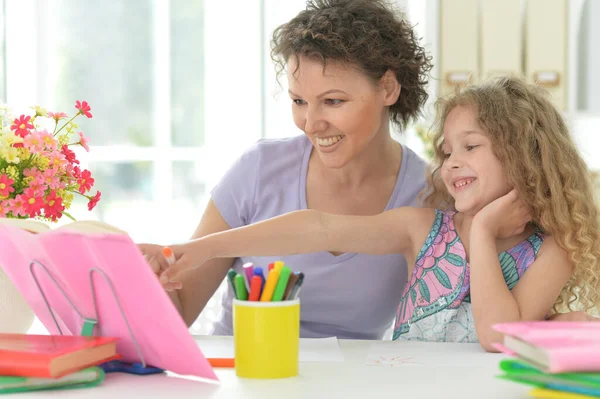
<point x="540" y="159"/>
<point x="367" y="34"/>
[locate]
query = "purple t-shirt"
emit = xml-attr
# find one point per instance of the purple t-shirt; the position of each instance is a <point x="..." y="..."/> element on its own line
<point x="350" y="296"/>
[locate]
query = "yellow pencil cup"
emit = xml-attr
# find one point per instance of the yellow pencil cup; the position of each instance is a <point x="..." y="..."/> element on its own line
<point x="266" y="337"/>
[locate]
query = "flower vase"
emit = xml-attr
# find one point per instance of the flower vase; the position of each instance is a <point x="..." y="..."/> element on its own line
<point x="16" y="315"/>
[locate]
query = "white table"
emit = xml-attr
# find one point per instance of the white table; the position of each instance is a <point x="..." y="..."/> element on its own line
<point x="465" y="371"/>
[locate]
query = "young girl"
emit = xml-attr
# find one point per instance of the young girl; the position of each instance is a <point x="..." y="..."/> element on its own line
<point x="511" y="233"/>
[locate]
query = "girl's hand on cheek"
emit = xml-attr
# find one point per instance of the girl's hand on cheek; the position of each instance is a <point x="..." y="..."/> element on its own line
<point x="503" y="217"/>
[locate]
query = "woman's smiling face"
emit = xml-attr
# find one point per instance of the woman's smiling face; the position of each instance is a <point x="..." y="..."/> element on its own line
<point x="338" y="108"/>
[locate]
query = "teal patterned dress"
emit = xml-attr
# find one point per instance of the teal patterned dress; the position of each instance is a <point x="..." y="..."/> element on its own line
<point x="436" y="304"/>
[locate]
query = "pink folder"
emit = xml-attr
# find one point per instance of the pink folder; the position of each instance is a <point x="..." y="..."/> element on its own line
<point x="568" y="346"/>
<point x="160" y="333"/>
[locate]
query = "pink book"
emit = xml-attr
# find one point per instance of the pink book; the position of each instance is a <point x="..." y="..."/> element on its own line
<point x="552" y="346"/>
<point x="69" y="254"/>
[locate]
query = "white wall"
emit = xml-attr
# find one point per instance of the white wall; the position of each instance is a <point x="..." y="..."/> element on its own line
<point x="588" y="85"/>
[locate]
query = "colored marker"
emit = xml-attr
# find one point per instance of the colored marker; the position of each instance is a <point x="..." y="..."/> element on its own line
<point x="284" y="276"/>
<point x="271" y="266"/>
<point x="296" y="289"/>
<point x="291" y="283"/>
<point x="231" y="277"/>
<point x="267" y="293"/>
<point x="255" y="288"/>
<point x="248" y="273"/>
<point x="168" y="254"/>
<point x="221" y="362"/>
<point x="258" y="271"/>
<point x="170" y="258"/>
<point x="278" y="266"/>
<point x="240" y="288"/>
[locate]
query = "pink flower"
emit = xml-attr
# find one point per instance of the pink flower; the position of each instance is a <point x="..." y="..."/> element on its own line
<point x="73" y="171"/>
<point x="83" y="141"/>
<point x="69" y="155"/>
<point x="48" y="140"/>
<point x="34" y="143"/>
<point x="21" y="125"/>
<point x="57" y="115"/>
<point x="38" y="185"/>
<point x="51" y="179"/>
<point x="85" y="181"/>
<point x="57" y="159"/>
<point x="84" y="108"/>
<point x="6" y="186"/>
<point x="32" y="172"/>
<point x="53" y="208"/>
<point x="3" y="209"/>
<point x="17" y="206"/>
<point x="94" y="200"/>
<point x="69" y="170"/>
<point x="32" y="202"/>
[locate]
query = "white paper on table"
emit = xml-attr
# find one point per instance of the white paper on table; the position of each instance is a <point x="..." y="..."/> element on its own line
<point x="216" y="348"/>
<point x="430" y="354"/>
<point x="320" y="350"/>
<point x="311" y="349"/>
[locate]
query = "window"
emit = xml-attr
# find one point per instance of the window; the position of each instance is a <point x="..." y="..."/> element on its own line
<point x="173" y="90"/>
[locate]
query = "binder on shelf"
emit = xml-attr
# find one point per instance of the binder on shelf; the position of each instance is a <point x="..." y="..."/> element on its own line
<point x="459" y="44"/>
<point x="501" y="38"/>
<point x="546" y="34"/>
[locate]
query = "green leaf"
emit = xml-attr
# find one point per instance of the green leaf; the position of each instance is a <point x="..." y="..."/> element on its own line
<point x="455" y="260"/>
<point x="442" y="277"/>
<point x="424" y="290"/>
<point x="69" y="216"/>
<point x="413" y="296"/>
<point x="509" y="269"/>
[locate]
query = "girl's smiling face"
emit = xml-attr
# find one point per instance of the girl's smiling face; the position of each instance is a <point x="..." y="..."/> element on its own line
<point x="471" y="172"/>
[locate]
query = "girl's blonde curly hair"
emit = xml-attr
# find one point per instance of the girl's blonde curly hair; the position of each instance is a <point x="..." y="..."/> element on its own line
<point x="531" y="139"/>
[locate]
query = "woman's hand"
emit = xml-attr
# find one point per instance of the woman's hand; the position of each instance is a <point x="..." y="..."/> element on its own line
<point x="504" y="217"/>
<point x="153" y="255"/>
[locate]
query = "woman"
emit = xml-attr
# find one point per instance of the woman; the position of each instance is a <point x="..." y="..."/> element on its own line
<point x="353" y="66"/>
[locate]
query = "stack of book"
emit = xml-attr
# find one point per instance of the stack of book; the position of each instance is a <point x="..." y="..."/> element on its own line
<point x="559" y="359"/>
<point x="35" y="362"/>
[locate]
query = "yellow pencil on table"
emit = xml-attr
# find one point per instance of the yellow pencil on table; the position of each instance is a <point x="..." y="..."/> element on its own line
<point x="542" y="393"/>
<point x="270" y="285"/>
